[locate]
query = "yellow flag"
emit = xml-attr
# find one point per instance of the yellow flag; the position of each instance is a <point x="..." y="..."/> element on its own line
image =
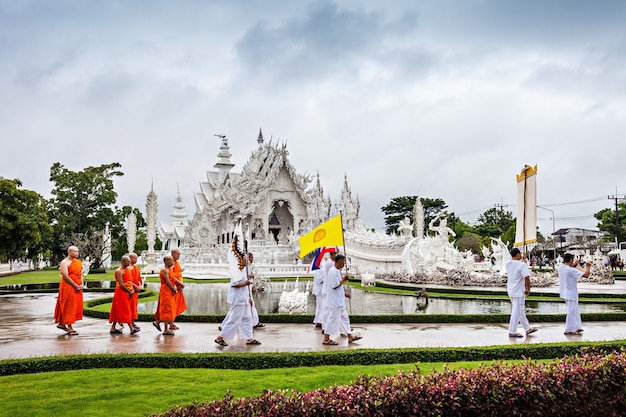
<point x="328" y="233"/>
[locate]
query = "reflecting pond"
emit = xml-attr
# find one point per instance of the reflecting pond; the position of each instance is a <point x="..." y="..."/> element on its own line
<point x="211" y="299"/>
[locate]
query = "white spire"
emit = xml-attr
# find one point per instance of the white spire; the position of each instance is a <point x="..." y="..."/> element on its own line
<point x="223" y="164"/>
<point x="179" y="214"/>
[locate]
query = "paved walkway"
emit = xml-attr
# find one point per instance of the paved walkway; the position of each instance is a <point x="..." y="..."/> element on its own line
<point x="28" y="330"/>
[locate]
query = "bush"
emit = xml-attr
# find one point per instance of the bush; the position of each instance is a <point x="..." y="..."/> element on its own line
<point x="583" y="385"/>
<point x="269" y="360"/>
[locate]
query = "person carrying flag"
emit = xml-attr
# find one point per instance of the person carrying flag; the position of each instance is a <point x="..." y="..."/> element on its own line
<point x="337" y="320"/>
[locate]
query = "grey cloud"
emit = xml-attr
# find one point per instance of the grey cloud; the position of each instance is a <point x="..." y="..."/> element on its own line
<point x="599" y="72"/>
<point x="325" y="39"/>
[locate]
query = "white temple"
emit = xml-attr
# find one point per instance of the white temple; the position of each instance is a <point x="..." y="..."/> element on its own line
<point x="275" y="205"/>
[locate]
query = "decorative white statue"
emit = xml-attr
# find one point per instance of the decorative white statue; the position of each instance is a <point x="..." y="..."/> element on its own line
<point x="293" y="302"/>
<point x="405" y="228"/>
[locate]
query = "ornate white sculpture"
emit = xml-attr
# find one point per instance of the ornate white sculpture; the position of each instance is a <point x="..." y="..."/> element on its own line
<point x="405" y="228"/>
<point x="368" y="280"/>
<point x="151" y="227"/>
<point x="294" y="301"/>
<point x="131" y="231"/>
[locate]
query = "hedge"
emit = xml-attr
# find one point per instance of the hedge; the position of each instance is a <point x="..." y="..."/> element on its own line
<point x="269" y="360"/>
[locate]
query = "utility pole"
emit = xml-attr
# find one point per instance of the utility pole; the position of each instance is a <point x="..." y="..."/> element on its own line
<point x="501" y="206"/>
<point x="617" y="198"/>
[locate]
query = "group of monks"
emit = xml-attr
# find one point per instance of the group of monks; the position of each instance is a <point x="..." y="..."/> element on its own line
<point x="69" y="305"/>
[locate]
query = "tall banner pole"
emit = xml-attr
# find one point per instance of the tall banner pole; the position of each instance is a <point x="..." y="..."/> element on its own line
<point x="346" y="286"/>
<point x="524" y="220"/>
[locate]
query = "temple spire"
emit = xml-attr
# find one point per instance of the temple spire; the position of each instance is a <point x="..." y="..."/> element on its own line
<point x="223" y="164"/>
<point x="260" y="138"/>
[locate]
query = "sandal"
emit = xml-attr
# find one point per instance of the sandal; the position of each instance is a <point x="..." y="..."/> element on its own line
<point x="116" y="331"/>
<point x="157" y="325"/>
<point x="253" y="342"/>
<point x="169" y="333"/>
<point x="515" y="335"/>
<point x="221" y="342"/>
<point x="173" y="327"/>
<point x="72" y="333"/>
<point x="355" y="338"/>
<point x="62" y="327"/>
<point x="330" y="342"/>
<point x="135" y="330"/>
<point x="531" y="330"/>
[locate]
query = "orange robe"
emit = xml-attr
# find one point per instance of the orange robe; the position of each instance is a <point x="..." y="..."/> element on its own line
<point x="69" y="306"/>
<point x="135" y="298"/>
<point x="121" y="305"/>
<point x="181" y="303"/>
<point x="166" y="310"/>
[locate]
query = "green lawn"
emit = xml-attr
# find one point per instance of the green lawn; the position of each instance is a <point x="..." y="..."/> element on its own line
<point x="140" y="392"/>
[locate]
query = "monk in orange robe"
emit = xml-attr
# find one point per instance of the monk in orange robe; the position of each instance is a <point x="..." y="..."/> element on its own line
<point x="166" y="310"/>
<point x="177" y="278"/>
<point x="137" y="283"/>
<point x="120" y="307"/>
<point x="69" y="306"/>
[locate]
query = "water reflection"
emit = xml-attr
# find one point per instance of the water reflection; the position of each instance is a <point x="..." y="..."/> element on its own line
<point x="211" y="299"/>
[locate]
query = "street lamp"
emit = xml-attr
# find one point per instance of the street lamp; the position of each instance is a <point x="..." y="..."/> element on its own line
<point x="553" y="231"/>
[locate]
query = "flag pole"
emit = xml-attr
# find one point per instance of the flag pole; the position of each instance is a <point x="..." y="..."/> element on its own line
<point x="248" y="267"/>
<point x="347" y="288"/>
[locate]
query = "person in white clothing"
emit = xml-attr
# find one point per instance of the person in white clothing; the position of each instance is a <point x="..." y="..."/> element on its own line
<point x="318" y="291"/>
<point x="337" y="320"/>
<point x="568" y="282"/>
<point x="518" y="287"/>
<point x="326" y="266"/>
<point x="239" y="318"/>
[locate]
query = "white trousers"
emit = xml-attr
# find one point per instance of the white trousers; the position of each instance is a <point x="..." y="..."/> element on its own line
<point x="337" y="322"/>
<point x="237" y="321"/>
<point x="518" y="314"/>
<point x="320" y="309"/>
<point x="573" y="321"/>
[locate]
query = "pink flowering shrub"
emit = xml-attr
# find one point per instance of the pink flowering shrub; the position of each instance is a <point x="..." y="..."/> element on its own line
<point x="589" y="384"/>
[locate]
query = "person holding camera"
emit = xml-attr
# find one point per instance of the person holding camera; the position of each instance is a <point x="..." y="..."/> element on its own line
<point x="568" y="282"/>
<point x="337" y="320"/>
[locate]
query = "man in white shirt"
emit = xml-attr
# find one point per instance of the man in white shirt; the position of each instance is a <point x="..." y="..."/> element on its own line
<point x="318" y="291"/>
<point x="337" y="320"/>
<point x="568" y="281"/>
<point x="239" y="318"/>
<point x="518" y="287"/>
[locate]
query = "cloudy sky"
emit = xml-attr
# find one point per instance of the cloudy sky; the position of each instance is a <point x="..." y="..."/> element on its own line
<point x="441" y="99"/>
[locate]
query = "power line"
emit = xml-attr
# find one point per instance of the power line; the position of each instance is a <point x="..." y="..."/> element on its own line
<point x="575" y="202"/>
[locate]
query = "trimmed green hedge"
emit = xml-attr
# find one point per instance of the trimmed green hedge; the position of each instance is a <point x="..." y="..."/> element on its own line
<point x="269" y="360"/>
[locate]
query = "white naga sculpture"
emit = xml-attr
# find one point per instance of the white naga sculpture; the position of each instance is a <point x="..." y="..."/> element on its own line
<point x="294" y="301"/>
<point x="368" y="280"/>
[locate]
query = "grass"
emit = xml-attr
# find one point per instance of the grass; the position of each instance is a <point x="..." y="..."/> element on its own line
<point x="140" y="392"/>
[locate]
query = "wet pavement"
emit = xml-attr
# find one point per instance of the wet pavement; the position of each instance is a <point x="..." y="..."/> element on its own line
<point x="29" y="331"/>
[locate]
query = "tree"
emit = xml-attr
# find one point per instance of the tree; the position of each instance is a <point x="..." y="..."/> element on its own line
<point x="494" y="222"/>
<point x="606" y="222"/>
<point x="469" y="241"/>
<point x="401" y="207"/>
<point x="82" y="202"/>
<point x="24" y="222"/>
